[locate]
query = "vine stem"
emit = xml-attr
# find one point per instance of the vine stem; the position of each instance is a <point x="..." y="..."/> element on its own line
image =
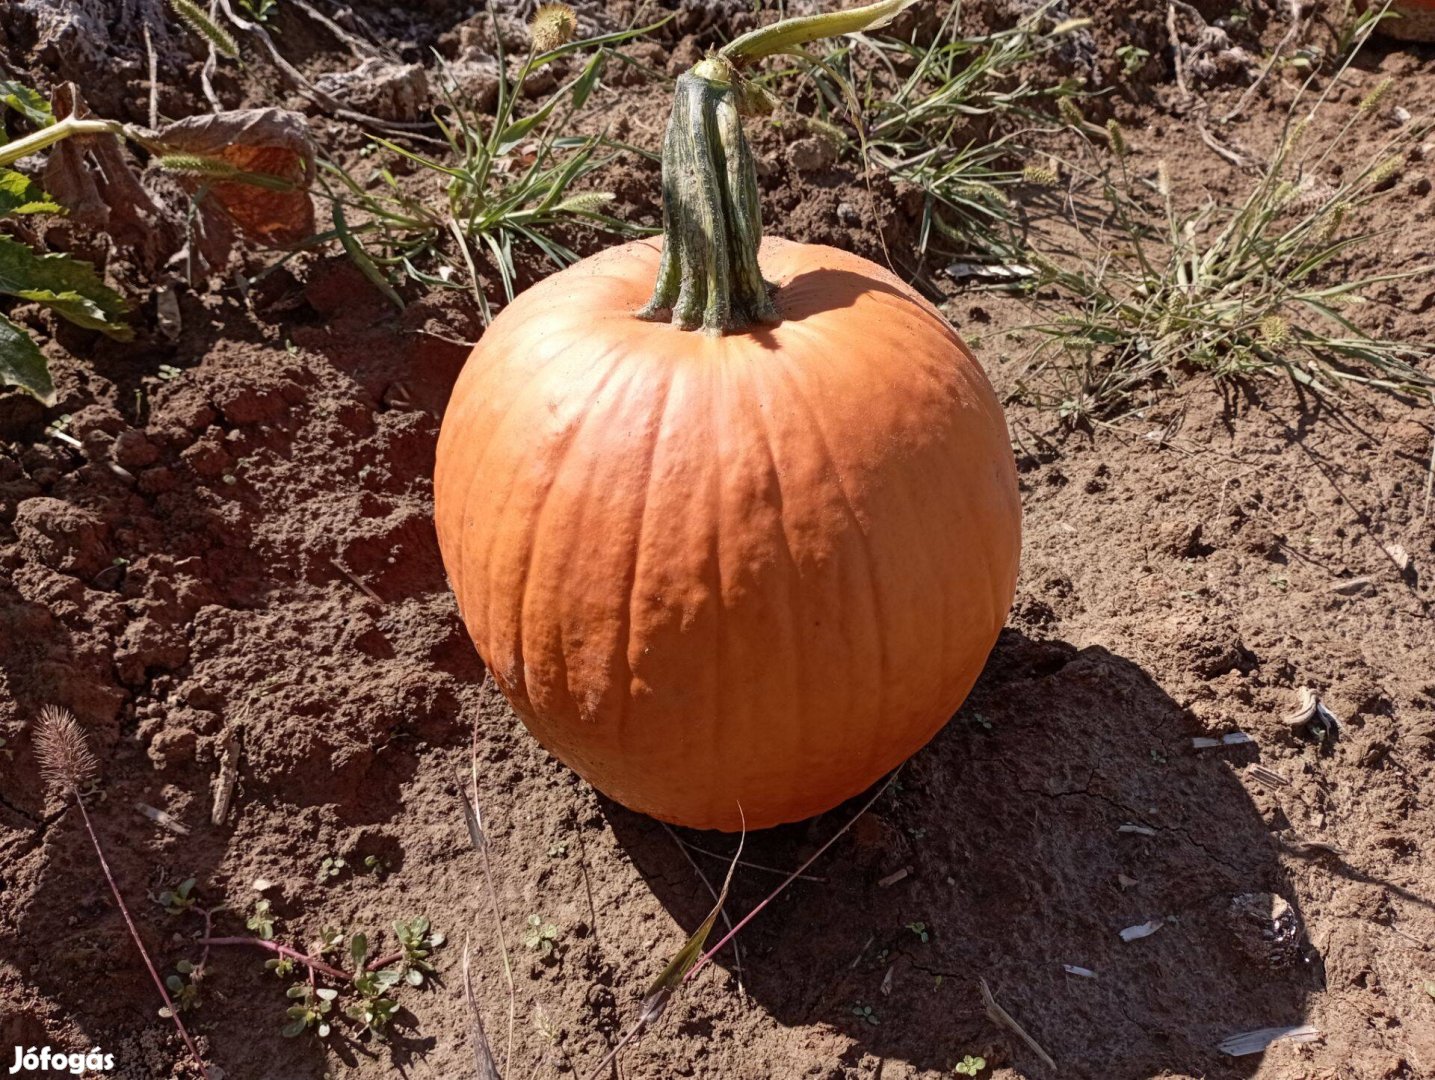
<point x="56" y="132"/>
<point x="282" y="950"/>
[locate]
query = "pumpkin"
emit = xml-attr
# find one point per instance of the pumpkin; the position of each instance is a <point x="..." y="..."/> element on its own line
<point x="1414" y="20"/>
<point x="736" y="544"/>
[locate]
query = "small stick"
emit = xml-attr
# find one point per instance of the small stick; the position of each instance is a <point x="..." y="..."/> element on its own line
<point x="228" y="774"/>
<point x="66" y="764"/>
<point x="792" y="876"/>
<point x="153" y="78"/>
<point x="356" y="581"/>
<point x="750" y="865"/>
<point x="1001" y="1016"/>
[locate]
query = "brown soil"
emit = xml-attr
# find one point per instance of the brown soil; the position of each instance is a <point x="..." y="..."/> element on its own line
<point x="263" y="566"/>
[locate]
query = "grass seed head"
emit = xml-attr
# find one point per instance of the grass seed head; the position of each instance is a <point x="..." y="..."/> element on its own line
<point x="198" y="21"/>
<point x="552" y="25"/>
<point x="1040" y="175"/>
<point x="1371" y="101"/>
<point x="1274" y="330"/>
<point x="1116" y="137"/>
<point x="66" y="764"/>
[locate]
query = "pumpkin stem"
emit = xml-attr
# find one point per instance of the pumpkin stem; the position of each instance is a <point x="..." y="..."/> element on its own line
<point x="712" y="217"/>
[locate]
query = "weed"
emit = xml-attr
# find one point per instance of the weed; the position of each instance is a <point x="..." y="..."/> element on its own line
<point x="969" y="1065"/>
<point x="178" y="900"/>
<point x="1133" y="58"/>
<point x="920" y="929"/>
<point x="261" y="11"/>
<point x="1232" y="292"/>
<point x="865" y="1013"/>
<point x="331" y="868"/>
<point x="375" y="1009"/>
<point x="541" y="937"/>
<point x="67" y="766"/>
<point x="507" y="183"/>
<point x="417" y="941"/>
<point x="311" y="1008"/>
<point x="261" y="920"/>
<point x="952" y="126"/>
<point x="183" y="989"/>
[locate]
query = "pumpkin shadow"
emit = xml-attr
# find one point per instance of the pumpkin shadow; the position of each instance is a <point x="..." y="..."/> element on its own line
<point x="1000" y="854"/>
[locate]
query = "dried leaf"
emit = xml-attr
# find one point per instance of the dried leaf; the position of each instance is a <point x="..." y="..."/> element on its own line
<point x="1146" y="929"/>
<point x="1001" y="1016"/>
<point x="273" y="158"/>
<point x="1253" y="1042"/>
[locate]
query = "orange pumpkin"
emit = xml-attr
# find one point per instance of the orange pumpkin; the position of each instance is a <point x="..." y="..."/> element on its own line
<point x="728" y="577"/>
<point x="1414" y="21"/>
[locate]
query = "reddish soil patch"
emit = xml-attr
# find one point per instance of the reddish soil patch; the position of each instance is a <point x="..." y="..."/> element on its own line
<point x="263" y="567"/>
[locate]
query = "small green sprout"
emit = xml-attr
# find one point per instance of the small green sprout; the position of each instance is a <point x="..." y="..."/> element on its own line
<point x="864" y="1012"/>
<point x="262" y="921"/>
<point x="178" y="900"/>
<point x="331" y="867"/>
<point x="1133" y="58"/>
<point x="331" y="941"/>
<point x="183" y="994"/>
<point x="417" y="941"/>
<point x="375" y="1010"/>
<point x="541" y="937"/>
<point x="920" y="929"/>
<point x="969" y="1065"/>
<point x="311" y="1009"/>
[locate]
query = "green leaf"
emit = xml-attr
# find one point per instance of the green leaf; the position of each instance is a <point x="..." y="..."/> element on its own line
<point x="64" y="283"/>
<point x="359" y="949"/>
<point x="21" y="195"/>
<point x="28" y="103"/>
<point x="414" y="976"/>
<point x="293" y="1028"/>
<point x="589" y="79"/>
<point x="362" y="260"/>
<point x="22" y="363"/>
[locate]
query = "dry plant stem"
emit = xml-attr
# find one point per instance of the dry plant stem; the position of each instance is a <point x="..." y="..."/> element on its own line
<point x="736" y="949"/>
<point x="482" y="1051"/>
<point x="281" y="950"/>
<point x="153" y="78"/>
<point x="60" y="130"/>
<point x="749" y="865"/>
<point x="792" y="876"/>
<point x="139" y="943"/>
<point x="493" y="900"/>
<point x="1290" y="35"/>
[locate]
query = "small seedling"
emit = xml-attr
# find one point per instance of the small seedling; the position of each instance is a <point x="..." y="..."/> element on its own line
<point x="1133" y="58"/>
<point x="920" y="929"/>
<point x="331" y="941"/>
<point x="376" y="865"/>
<point x="262" y="921"/>
<point x="178" y="900"/>
<point x="183" y="995"/>
<point x="981" y="723"/>
<point x="541" y="937"/>
<point x="375" y="1010"/>
<point x="864" y="1012"/>
<point x="331" y="867"/>
<point x="417" y="941"/>
<point x="969" y="1065"/>
<point x="311" y="1009"/>
<point x="558" y="850"/>
<point x="1158" y="758"/>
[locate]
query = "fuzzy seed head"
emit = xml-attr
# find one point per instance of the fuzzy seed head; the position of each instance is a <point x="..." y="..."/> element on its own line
<point x="1384" y="171"/>
<point x="585" y="202"/>
<point x="195" y="165"/>
<point x="1334" y="220"/>
<point x="552" y="25"/>
<point x="1116" y="138"/>
<point x="66" y="764"/>
<point x="1371" y="101"/>
<point x="198" y="21"/>
<point x="1040" y="175"/>
<point x="1274" y="330"/>
<point x="1163" y="179"/>
<point x="1067" y="110"/>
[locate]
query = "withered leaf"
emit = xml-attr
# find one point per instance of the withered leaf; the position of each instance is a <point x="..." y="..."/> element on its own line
<point x="272" y="155"/>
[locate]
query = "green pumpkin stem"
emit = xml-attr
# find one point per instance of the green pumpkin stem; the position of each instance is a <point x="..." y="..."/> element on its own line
<point x="712" y="217"/>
